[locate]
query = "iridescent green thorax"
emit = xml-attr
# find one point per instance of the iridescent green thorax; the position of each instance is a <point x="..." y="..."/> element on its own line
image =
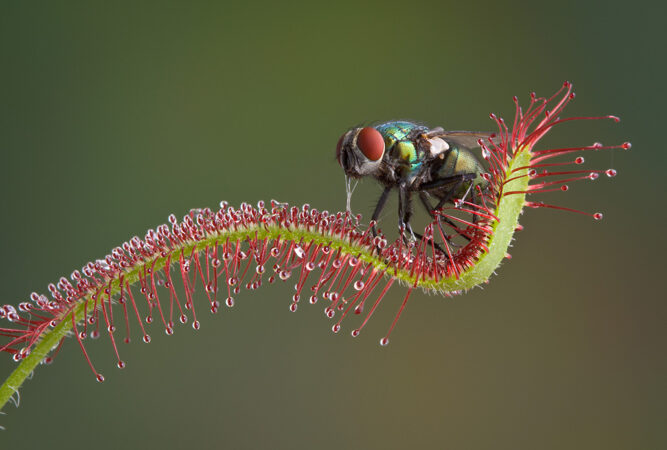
<point x="397" y="139"/>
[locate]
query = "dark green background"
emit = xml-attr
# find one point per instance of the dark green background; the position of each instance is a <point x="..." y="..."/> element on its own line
<point x="114" y="115"/>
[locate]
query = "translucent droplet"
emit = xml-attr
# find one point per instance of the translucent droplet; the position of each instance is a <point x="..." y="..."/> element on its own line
<point x="336" y="328"/>
<point x="384" y="341"/>
<point x="355" y="333"/>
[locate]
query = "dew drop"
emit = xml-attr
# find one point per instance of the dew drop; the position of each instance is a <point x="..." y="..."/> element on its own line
<point x="610" y="172"/>
<point x="259" y="269"/>
<point x="100" y="377"/>
<point x="195" y="325"/>
<point x="598" y="216"/>
<point x="94" y="334"/>
<point x="296" y="298"/>
<point x="579" y="160"/>
<point x="355" y="333"/>
<point x="310" y="266"/>
<point x="121" y="364"/>
<point x="293" y="307"/>
<point x="168" y="331"/>
<point x="229" y="302"/>
<point x="236" y="290"/>
<point x="299" y="252"/>
<point x="146" y="338"/>
<point x="593" y="176"/>
<point x="358" y="285"/>
<point x="149" y="319"/>
<point x="564" y="187"/>
<point x="284" y="274"/>
<point x="384" y="341"/>
<point x="336" y="328"/>
<point x="312" y="299"/>
<point x="329" y="312"/>
<point x="626" y="146"/>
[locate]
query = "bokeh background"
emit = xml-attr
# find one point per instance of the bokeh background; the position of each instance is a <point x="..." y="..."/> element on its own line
<point x="115" y="114"/>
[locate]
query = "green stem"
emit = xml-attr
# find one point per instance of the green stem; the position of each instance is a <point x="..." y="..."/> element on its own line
<point x="508" y="211"/>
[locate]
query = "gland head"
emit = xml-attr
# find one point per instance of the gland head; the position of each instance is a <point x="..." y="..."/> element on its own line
<point x="359" y="151"/>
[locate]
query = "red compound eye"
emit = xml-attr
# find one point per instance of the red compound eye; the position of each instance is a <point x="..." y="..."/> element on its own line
<point x="371" y="143"/>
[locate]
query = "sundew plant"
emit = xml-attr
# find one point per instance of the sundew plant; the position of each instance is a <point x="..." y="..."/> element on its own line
<point x="200" y="263"/>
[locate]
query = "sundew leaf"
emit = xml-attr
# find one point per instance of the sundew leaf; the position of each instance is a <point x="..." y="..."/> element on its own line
<point x="333" y="258"/>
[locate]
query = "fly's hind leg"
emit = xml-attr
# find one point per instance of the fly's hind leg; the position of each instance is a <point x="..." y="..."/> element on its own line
<point x="457" y="181"/>
<point x="437" y="217"/>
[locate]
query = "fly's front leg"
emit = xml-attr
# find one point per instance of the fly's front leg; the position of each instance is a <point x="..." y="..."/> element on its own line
<point x="378" y="208"/>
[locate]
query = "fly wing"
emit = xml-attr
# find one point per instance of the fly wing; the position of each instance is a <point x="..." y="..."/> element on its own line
<point x="465" y="139"/>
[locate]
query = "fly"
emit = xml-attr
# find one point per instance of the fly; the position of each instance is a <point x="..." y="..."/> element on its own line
<point x="412" y="158"/>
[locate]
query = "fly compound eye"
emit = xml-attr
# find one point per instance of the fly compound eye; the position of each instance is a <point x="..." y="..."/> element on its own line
<point x="371" y="143"/>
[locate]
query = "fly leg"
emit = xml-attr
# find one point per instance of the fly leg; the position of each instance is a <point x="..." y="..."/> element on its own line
<point x="405" y="212"/>
<point x="458" y="180"/>
<point x="378" y="208"/>
<point x="427" y="205"/>
<point x="437" y="217"/>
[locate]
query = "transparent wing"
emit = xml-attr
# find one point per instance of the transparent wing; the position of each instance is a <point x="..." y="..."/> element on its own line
<point x="465" y="139"/>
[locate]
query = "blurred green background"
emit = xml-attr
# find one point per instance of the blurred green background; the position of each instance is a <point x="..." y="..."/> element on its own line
<point x="115" y="114"/>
